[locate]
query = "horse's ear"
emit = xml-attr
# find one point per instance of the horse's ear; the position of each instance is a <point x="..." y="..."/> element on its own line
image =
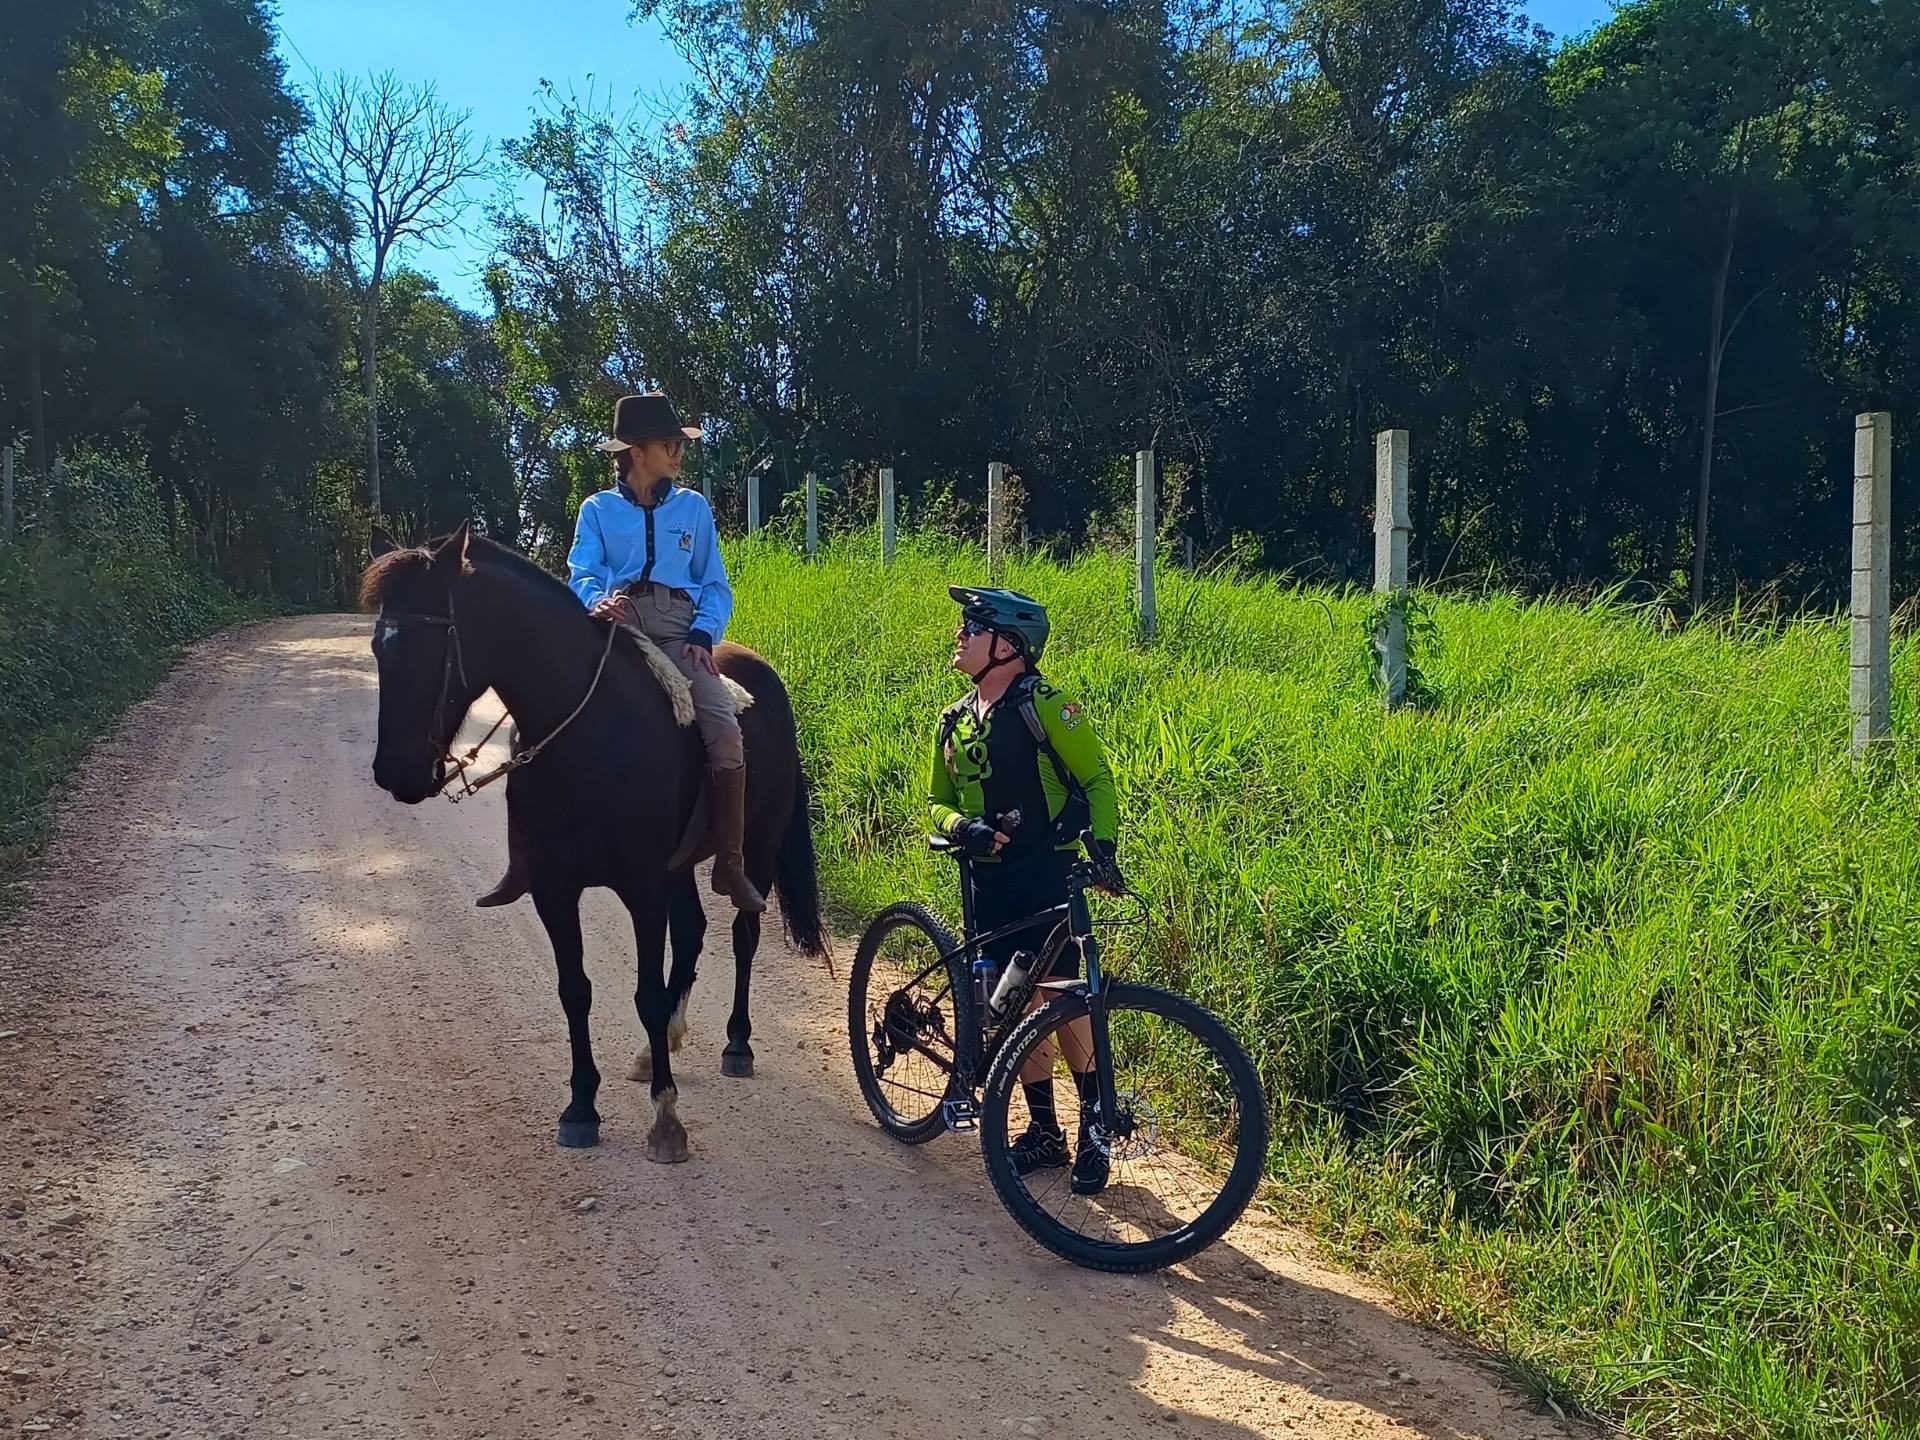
<point x="382" y="543"/>
<point x="452" y="553"/>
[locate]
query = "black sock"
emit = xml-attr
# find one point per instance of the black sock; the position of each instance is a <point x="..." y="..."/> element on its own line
<point x="1040" y="1104"/>
<point x="1087" y="1082"/>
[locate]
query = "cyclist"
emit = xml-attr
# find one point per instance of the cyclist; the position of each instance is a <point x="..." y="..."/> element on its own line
<point x="1018" y="775"/>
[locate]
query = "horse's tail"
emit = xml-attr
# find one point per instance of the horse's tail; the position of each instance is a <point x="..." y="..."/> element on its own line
<point x="796" y="876"/>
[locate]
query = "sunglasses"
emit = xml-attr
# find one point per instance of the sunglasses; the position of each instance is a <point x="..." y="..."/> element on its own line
<point x="974" y="627"/>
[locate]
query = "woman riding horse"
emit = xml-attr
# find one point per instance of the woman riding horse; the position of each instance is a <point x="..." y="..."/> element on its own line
<point x="646" y="553"/>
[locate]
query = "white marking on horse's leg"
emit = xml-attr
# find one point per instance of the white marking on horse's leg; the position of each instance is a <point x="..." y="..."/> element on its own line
<point x="676" y="1037"/>
<point x="666" y="1105"/>
<point x="677" y="1023"/>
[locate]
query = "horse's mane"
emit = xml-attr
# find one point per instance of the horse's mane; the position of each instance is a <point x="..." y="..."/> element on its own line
<point x="380" y="578"/>
<point x="492" y="552"/>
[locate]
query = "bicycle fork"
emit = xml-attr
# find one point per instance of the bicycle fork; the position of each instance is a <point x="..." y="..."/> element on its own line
<point x="1108" y="1094"/>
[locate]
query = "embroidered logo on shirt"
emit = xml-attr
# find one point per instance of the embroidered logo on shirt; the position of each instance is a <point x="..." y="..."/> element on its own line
<point x="686" y="539"/>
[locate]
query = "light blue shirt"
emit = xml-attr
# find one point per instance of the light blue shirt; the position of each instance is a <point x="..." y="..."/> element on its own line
<point x="616" y="540"/>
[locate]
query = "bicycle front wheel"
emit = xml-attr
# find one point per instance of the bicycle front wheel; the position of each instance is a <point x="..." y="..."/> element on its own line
<point x="1185" y="1152"/>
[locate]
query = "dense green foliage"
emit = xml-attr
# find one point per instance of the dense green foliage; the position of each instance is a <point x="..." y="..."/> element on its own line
<point x="1587" y="996"/>
<point x="1611" y="288"/>
<point x="162" y="298"/>
<point x="929" y="236"/>
<point x="88" y="623"/>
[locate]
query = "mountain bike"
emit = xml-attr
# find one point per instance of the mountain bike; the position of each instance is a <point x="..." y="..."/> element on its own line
<point x="940" y="1039"/>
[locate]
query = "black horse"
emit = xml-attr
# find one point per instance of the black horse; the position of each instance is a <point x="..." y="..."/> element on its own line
<point x="607" y="802"/>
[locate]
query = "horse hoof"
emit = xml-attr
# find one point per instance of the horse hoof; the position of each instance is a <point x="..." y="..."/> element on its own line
<point x="737" y="1067"/>
<point x="668" y="1146"/>
<point x="579" y="1134"/>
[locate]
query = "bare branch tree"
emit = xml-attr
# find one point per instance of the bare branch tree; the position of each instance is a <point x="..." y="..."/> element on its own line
<point x="395" y="160"/>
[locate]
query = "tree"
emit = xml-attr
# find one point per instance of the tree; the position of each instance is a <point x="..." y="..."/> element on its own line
<point x="1256" y="233"/>
<point x="394" y="162"/>
<point x="85" y="133"/>
<point x="447" y="433"/>
<point x="1727" y="136"/>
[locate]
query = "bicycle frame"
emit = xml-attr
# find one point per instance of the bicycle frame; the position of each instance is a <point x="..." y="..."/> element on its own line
<point x="1077" y="929"/>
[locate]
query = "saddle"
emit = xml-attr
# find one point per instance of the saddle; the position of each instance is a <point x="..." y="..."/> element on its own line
<point x="679" y="689"/>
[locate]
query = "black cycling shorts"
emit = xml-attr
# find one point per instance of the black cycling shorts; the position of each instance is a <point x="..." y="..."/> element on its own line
<point x="1003" y="892"/>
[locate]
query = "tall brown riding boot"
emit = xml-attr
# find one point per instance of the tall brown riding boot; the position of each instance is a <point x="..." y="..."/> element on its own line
<point x="729" y="820"/>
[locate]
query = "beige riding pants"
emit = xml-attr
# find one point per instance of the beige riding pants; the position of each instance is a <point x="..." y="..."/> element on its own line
<point x="665" y="617"/>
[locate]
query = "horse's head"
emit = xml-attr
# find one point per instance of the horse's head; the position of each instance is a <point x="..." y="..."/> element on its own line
<point x="425" y="690"/>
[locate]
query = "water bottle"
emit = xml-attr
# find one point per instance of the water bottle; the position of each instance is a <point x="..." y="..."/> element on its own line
<point x="1012" y="982"/>
<point x="983" y="977"/>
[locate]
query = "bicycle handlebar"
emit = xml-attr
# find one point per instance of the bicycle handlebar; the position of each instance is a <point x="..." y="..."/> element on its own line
<point x="1088" y="870"/>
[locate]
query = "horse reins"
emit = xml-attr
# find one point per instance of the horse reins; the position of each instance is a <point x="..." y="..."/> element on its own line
<point x="456" y="659"/>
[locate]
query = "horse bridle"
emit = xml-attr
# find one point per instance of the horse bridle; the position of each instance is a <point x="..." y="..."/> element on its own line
<point x="455" y="766"/>
<point x="452" y="659"/>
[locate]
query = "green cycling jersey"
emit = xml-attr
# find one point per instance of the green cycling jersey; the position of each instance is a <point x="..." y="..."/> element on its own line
<point x="957" y="790"/>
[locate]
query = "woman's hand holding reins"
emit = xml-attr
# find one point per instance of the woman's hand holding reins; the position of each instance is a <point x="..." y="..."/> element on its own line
<point x="614" y="607"/>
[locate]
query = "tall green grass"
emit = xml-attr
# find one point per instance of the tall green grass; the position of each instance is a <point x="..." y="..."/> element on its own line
<point x="1587" y="997"/>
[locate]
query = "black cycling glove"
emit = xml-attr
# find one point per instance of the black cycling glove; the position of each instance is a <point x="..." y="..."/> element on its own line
<point x="974" y="836"/>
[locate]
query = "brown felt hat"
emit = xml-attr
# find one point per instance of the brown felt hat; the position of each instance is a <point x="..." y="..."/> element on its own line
<point x="640" y="418"/>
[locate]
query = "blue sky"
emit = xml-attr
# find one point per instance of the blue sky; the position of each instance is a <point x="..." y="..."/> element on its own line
<point x="489" y="56"/>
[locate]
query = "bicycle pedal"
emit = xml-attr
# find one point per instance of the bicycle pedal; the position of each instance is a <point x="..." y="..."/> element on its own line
<point x="961" y="1116"/>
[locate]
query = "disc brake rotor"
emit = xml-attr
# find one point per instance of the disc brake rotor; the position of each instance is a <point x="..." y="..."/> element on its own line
<point x="1138" y="1133"/>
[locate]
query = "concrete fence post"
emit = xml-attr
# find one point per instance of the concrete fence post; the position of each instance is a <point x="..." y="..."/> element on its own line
<point x="6" y="496"/>
<point x="753" y="503"/>
<point x="886" y="515"/>
<point x="1390" y="531"/>
<point x="1871" y="687"/>
<point x="996" y="515"/>
<point x="1144" y="535"/>
<point x="813" y="513"/>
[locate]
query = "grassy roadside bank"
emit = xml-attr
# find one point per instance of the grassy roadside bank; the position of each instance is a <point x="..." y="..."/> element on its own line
<point x="1587" y="995"/>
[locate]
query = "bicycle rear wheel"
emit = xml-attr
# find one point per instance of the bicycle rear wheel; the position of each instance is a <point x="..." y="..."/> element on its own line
<point x="904" y="1021"/>
<point x="1186" y="1152"/>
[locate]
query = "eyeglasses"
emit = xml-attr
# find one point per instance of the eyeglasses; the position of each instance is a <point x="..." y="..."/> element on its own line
<point x="675" y="447"/>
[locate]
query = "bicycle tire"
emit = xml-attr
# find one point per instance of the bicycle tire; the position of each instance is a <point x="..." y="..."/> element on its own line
<point x="914" y="1129"/>
<point x="1251" y="1131"/>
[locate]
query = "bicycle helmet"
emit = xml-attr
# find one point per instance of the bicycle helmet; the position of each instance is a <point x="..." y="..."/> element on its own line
<point x="1020" y="618"/>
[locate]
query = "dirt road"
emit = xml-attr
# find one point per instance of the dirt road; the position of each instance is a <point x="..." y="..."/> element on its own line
<point x="278" y="1159"/>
